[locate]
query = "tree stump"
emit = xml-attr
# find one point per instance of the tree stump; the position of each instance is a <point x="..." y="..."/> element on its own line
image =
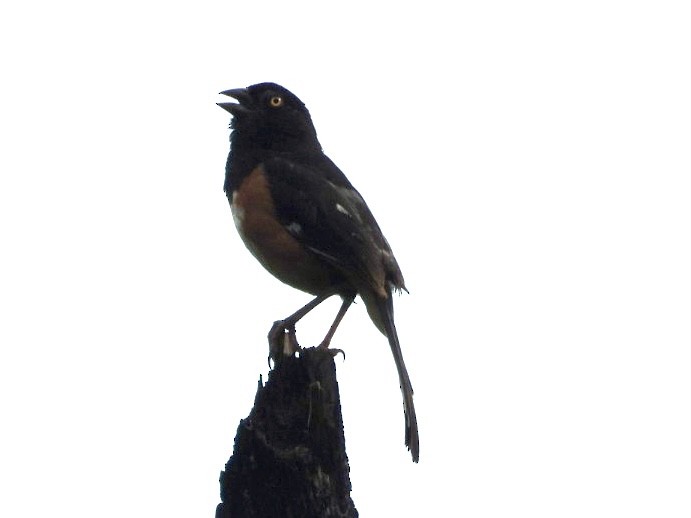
<point x="289" y="458"/>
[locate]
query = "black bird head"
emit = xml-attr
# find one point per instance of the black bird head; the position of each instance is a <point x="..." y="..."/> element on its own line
<point x="271" y="118"/>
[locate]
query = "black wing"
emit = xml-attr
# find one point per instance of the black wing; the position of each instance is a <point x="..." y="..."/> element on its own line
<point x="320" y="208"/>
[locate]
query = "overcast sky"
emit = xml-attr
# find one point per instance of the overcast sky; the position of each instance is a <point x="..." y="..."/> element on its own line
<point x="529" y="162"/>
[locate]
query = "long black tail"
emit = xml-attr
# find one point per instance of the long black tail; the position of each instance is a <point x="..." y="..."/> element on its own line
<point x="385" y="322"/>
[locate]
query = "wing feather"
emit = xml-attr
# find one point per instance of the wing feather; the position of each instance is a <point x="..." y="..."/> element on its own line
<point x="332" y="219"/>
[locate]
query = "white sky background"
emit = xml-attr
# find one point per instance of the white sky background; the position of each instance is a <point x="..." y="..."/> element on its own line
<point x="529" y="163"/>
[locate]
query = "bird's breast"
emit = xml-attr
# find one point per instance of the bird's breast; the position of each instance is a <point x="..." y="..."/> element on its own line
<point x="254" y="214"/>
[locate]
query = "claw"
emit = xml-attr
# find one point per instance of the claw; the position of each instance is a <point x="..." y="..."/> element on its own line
<point x="332" y="351"/>
<point x="282" y="341"/>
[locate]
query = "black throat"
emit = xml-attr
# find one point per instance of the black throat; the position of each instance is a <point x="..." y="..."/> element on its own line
<point x="249" y="149"/>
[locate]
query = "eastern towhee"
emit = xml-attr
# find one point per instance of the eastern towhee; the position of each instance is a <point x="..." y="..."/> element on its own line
<point x="304" y="221"/>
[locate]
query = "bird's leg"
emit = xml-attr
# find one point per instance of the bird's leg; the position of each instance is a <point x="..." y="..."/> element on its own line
<point x="282" y="339"/>
<point x="347" y="301"/>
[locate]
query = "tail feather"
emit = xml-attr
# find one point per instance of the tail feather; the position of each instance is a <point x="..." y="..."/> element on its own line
<point x="383" y="319"/>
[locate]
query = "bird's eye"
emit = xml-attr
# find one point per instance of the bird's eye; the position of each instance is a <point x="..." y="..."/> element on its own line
<point x="276" y="101"/>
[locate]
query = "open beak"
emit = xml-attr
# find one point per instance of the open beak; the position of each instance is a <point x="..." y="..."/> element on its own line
<point x="242" y="96"/>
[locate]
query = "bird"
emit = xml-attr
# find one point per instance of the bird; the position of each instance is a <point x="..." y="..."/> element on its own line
<point x="303" y="220"/>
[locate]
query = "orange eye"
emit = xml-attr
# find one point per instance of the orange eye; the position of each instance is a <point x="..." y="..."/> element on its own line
<point x="276" y="101"/>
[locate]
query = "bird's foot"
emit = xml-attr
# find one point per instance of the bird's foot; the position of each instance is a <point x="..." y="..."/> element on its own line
<point x="282" y="340"/>
<point x="334" y="352"/>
